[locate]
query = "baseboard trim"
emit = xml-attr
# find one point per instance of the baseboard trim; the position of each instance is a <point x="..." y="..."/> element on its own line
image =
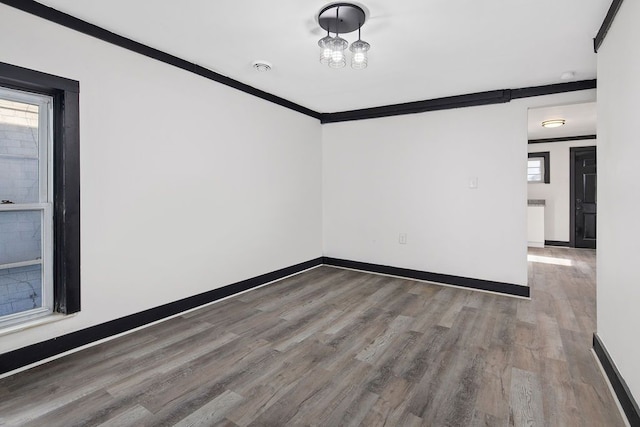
<point x="447" y="279"/>
<point x="557" y="243"/>
<point x="34" y="353"/>
<point x="628" y="403"/>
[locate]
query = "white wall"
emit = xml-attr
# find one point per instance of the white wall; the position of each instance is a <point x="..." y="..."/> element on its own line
<point x="409" y="174"/>
<point x="556" y="193"/>
<point x="186" y="185"/>
<point x="618" y="191"/>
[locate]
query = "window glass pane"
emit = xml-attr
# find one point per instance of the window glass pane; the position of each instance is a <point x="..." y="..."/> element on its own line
<point x="19" y="177"/>
<point x="20" y="236"/>
<point x="20" y="289"/>
<point x="535" y="169"/>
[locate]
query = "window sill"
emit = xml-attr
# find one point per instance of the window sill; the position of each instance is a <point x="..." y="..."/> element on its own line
<point x="19" y="327"/>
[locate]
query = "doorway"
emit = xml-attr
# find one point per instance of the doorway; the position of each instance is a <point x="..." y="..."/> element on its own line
<point x="583" y="187"/>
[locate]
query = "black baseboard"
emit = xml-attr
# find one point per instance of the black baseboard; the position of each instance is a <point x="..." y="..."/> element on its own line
<point x="466" y="282"/>
<point x="628" y="403"/>
<point x="36" y="352"/>
<point x="557" y="243"/>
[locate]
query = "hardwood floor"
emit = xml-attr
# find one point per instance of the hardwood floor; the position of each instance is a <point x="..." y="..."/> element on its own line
<point x="336" y="347"/>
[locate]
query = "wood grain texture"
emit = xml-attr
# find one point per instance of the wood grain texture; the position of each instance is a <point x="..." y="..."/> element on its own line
<point x="333" y="347"/>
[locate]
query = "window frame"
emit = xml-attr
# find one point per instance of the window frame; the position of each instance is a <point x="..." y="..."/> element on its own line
<point x="546" y="179"/>
<point x="43" y="205"/>
<point x="66" y="176"/>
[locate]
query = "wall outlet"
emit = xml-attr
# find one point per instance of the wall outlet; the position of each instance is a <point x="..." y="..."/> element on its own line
<point x="403" y="238"/>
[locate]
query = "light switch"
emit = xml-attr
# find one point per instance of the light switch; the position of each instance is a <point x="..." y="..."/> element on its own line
<point x="473" y="183"/>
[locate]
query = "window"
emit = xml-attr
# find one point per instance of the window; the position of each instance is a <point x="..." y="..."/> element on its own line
<point x="535" y="170"/>
<point x="26" y="219"/>
<point x="40" y="195"/>
<point x="538" y="168"/>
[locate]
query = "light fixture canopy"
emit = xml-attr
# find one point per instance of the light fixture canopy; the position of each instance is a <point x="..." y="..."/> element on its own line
<point x="553" y="123"/>
<point x="341" y="18"/>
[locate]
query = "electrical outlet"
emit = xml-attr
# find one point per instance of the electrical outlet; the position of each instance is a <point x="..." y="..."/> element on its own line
<point x="403" y="238"/>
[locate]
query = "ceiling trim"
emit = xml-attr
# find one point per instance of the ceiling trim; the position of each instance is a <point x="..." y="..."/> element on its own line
<point x="459" y="101"/>
<point x="606" y="24"/>
<point x="447" y="103"/>
<point x="528" y="92"/>
<point x="451" y="102"/>
<point x="69" y="21"/>
<point x="562" y="139"/>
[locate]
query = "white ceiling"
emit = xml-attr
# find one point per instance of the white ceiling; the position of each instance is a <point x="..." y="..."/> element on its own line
<point x="421" y="49"/>
<point x="580" y="120"/>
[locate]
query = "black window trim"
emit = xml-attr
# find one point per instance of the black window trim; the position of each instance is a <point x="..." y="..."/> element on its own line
<point x="66" y="177"/>
<point x="547" y="169"/>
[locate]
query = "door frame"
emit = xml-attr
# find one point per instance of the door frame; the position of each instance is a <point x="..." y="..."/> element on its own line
<point x="572" y="189"/>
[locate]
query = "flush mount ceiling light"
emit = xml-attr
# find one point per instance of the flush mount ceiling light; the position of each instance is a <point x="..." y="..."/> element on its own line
<point x="555" y="123"/>
<point x="342" y="18"/>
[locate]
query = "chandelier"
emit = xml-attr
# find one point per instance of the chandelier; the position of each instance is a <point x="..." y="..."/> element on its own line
<point x="342" y="18"/>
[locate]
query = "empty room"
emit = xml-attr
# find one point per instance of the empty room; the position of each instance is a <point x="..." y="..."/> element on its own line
<point x="265" y="214"/>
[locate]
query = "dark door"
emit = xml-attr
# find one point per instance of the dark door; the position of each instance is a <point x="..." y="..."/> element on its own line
<point x="584" y="196"/>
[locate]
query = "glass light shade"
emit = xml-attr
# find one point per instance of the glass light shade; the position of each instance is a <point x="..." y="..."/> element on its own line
<point x="338" y="46"/>
<point x="359" y="58"/>
<point x="325" y="49"/>
<point x="553" y="123"/>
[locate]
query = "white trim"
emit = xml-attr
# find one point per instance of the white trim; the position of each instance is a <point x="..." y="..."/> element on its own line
<point x="23" y="207"/>
<point x="46" y="246"/>
<point x="16" y="95"/>
<point x="18" y="156"/>
<point x="20" y="264"/>
<point x="43" y="319"/>
<point x="9" y="322"/>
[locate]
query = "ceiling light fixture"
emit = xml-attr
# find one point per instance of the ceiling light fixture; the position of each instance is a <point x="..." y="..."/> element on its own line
<point x="342" y="18"/>
<point x="554" y="123"/>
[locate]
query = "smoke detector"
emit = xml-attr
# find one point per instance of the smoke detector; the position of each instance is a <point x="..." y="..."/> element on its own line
<point x="568" y="75"/>
<point x="261" y="66"/>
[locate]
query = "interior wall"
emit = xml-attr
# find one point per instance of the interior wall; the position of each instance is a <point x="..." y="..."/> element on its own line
<point x="186" y="185"/>
<point x="618" y="188"/>
<point x="411" y="174"/>
<point x="556" y="193"/>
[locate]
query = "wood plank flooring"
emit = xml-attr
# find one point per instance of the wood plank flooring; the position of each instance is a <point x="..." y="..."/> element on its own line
<point x="335" y="347"/>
